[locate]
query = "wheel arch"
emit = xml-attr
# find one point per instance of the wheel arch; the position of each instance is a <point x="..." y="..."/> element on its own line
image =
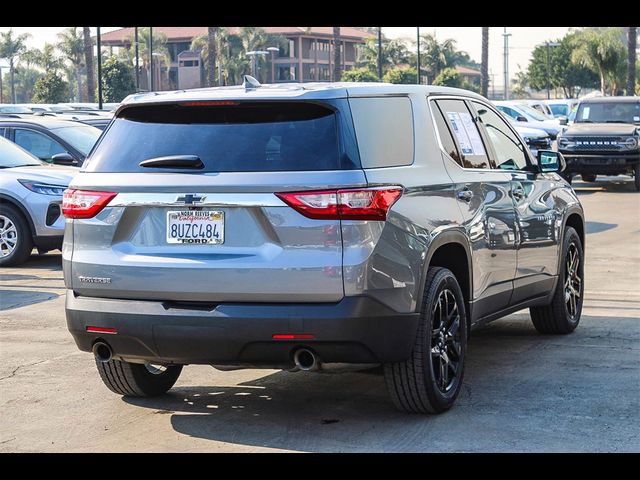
<point x="14" y="203"/>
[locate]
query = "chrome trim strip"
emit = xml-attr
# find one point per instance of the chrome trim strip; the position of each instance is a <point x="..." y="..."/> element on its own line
<point x="211" y="200"/>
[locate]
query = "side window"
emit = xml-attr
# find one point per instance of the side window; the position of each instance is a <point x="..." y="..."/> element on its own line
<point x="510" y="153"/>
<point x="448" y="143"/>
<point x="2" y="133"/>
<point x="466" y="133"/>
<point x="39" y="144"/>
<point x="508" y="111"/>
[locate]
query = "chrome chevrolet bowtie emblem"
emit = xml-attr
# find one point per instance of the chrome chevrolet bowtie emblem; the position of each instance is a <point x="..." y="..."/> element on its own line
<point x="190" y="199"/>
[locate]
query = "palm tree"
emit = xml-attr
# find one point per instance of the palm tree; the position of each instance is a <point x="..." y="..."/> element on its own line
<point x="337" y="64"/>
<point x="600" y="51"/>
<point x="71" y="44"/>
<point x="88" y="61"/>
<point x="632" y="37"/>
<point x="159" y="48"/>
<point x="394" y="53"/>
<point x="437" y="56"/>
<point x="220" y="48"/>
<point x="484" y="68"/>
<point x="47" y="58"/>
<point x="212" y="33"/>
<point x="11" y="48"/>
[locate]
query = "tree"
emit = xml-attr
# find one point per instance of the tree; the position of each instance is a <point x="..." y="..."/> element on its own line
<point x="160" y="50"/>
<point x="71" y="44"/>
<point x="48" y="60"/>
<point x="632" y="37"/>
<point x="88" y="61"/>
<point x="437" y="56"/>
<point x="563" y="73"/>
<point x="484" y="69"/>
<point x="50" y="89"/>
<point x="337" y="63"/>
<point x="600" y="50"/>
<point x="11" y="48"/>
<point x="394" y="53"/>
<point x="361" y="74"/>
<point x="212" y="33"/>
<point x="448" y="77"/>
<point x="519" y="85"/>
<point x="26" y="76"/>
<point x="117" y="79"/>
<point x="406" y="75"/>
<point x="221" y="50"/>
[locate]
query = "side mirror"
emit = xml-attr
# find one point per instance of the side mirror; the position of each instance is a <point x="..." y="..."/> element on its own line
<point x="563" y="120"/>
<point x="64" y="159"/>
<point x="550" y="161"/>
<point x="520" y="118"/>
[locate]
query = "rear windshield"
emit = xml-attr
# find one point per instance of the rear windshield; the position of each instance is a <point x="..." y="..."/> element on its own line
<point x="226" y="136"/>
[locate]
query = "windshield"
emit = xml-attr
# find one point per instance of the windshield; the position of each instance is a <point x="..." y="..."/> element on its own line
<point x="15" y="109"/>
<point x="81" y="137"/>
<point x="533" y="113"/>
<point x="12" y="156"/>
<point x="559" y="110"/>
<point x="609" y="112"/>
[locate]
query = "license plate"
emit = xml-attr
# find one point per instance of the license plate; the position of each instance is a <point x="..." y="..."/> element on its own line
<point x="195" y="227"/>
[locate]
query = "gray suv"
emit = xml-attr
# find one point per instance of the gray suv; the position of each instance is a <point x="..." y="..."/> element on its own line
<point x="314" y="227"/>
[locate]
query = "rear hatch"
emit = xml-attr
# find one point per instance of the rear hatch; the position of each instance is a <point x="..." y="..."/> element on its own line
<point x="191" y="210"/>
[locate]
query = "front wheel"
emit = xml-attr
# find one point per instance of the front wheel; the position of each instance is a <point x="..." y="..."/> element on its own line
<point x="430" y="379"/>
<point x="563" y="314"/>
<point x="136" y="379"/>
<point x="589" y="177"/>
<point x="15" y="237"/>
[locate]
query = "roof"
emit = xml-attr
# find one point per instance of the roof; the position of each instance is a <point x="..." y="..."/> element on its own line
<point x="611" y="100"/>
<point x="282" y="91"/>
<point x="188" y="33"/>
<point x="467" y="71"/>
<point x="47" y="122"/>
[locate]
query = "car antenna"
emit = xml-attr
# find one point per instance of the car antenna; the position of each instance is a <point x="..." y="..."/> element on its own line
<point x="250" y="83"/>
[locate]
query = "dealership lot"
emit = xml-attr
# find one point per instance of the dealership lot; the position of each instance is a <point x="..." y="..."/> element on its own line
<point x="522" y="391"/>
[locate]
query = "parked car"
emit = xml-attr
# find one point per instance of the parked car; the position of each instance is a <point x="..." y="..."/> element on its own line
<point x="604" y="139"/>
<point x="51" y="139"/>
<point x="99" y="121"/>
<point x="30" y="200"/>
<point x="540" y="106"/>
<point x="300" y="228"/>
<point x="535" y="138"/>
<point x="533" y="118"/>
<point x="562" y="108"/>
<point x="14" y="109"/>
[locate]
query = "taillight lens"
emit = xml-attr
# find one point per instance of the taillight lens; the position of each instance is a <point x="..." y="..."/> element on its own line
<point x="346" y="204"/>
<point x="84" y="203"/>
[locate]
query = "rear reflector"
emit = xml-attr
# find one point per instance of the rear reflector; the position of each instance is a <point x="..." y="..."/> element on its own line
<point x="92" y="329"/>
<point x="293" y="336"/>
<point x="84" y="203"/>
<point x="346" y="204"/>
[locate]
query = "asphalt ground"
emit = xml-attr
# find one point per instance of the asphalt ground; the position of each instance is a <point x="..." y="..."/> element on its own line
<point x="522" y="392"/>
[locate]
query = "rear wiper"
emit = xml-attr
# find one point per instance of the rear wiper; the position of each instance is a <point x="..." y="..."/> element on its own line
<point x="174" y="161"/>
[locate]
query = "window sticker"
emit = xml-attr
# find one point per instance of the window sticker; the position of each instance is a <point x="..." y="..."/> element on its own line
<point x="585" y="113"/>
<point x="466" y="133"/>
<point x="636" y="119"/>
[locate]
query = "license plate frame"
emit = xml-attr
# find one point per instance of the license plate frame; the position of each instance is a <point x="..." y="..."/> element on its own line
<point x="190" y="224"/>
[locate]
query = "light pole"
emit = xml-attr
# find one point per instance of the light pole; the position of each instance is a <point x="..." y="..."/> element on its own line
<point x="418" y="62"/>
<point x="137" y="60"/>
<point x="253" y="54"/>
<point x="549" y="44"/>
<point x="99" y="45"/>
<point x="506" y="63"/>
<point x="151" y="86"/>
<point x="273" y="51"/>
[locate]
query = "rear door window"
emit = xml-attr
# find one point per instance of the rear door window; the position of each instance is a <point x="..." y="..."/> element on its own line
<point x="446" y="138"/>
<point x="228" y="136"/>
<point x="39" y="144"/>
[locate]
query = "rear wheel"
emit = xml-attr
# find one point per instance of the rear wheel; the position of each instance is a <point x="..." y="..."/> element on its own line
<point x="430" y="380"/>
<point x="136" y="379"/>
<point x="563" y="314"/>
<point x="589" y="177"/>
<point x="15" y="237"/>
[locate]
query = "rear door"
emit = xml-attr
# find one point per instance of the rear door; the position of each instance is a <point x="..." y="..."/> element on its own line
<point x="180" y="231"/>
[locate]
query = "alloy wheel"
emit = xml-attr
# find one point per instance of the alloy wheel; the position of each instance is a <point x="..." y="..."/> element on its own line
<point x="8" y="236"/>
<point x="572" y="280"/>
<point x="446" y="346"/>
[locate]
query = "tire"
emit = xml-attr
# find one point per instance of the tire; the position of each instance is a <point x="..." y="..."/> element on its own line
<point x="589" y="177"/>
<point x="562" y="315"/>
<point x="15" y="237"/>
<point x="136" y="379"/>
<point x="636" y="177"/>
<point x="568" y="177"/>
<point x="417" y="385"/>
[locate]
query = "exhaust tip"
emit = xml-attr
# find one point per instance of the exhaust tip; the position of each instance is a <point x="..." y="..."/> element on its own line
<point x="305" y="359"/>
<point x="102" y="352"/>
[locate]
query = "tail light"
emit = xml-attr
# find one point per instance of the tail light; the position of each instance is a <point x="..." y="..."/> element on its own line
<point x="84" y="203"/>
<point x="348" y="204"/>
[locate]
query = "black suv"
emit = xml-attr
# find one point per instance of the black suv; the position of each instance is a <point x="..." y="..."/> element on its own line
<point x="605" y="139"/>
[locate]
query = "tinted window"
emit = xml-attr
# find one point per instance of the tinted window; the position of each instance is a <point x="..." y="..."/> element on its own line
<point x="448" y="143"/>
<point x="1" y="132"/>
<point x="13" y="156"/>
<point x="508" y="111"/>
<point x="509" y="151"/>
<point x="41" y="145"/>
<point x="559" y="109"/>
<point x="82" y="138"/>
<point x="229" y="137"/>
<point x="464" y="129"/>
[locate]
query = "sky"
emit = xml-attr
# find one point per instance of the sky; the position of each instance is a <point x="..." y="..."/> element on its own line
<point x="521" y="43"/>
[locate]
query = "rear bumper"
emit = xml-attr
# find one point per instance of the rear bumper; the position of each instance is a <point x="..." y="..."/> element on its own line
<point x="354" y="330"/>
<point x="604" y="163"/>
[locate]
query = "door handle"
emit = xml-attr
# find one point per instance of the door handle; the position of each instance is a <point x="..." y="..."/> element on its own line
<point x="465" y="195"/>
<point x="518" y="193"/>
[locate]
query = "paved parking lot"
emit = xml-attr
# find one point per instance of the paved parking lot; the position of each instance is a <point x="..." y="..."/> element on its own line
<point x="522" y="391"/>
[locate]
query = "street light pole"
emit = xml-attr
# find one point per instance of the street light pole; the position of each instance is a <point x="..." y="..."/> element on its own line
<point x="273" y="51"/>
<point x="254" y="66"/>
<point x="549" y="45"/>
<point x="98" y="42"/>
<point x="506" y="63"/>
<point x="135" y="31"/>
<point x="151" y="83"/>
<point x="418" y="62"/>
